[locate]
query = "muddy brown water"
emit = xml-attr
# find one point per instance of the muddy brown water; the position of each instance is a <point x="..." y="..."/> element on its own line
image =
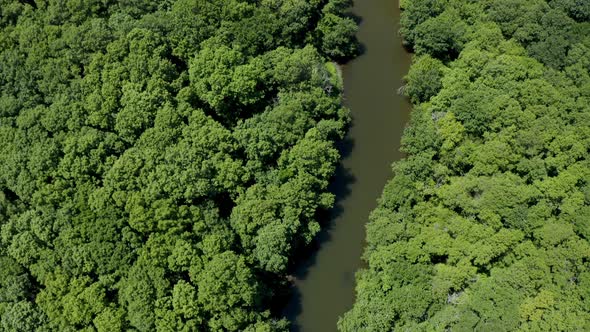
<point x="324" y="282"/>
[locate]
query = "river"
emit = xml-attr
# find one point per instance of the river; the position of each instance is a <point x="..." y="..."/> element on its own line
<point x="324" y="282"/>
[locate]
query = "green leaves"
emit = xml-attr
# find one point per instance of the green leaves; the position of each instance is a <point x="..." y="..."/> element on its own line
<point x="218" y="76"/>
<point x="424" y="79"/>
<point x="225" y="282"/>
<point x="21" y="317"/>
<point x="441" y="36"/>
<point x="336" y="35"/>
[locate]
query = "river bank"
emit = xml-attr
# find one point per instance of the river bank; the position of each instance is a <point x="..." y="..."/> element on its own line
<point x="324" y="281"/>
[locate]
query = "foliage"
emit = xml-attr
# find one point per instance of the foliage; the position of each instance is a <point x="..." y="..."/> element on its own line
<point x="484" y="225"/>
<point x="424" y="79"/>
<point x="160" y="161"/>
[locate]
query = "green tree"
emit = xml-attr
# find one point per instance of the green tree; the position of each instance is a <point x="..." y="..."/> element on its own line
<point x="424" y="80"/>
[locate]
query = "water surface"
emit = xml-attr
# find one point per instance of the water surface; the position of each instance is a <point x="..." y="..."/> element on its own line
<point x="325" y="281"/>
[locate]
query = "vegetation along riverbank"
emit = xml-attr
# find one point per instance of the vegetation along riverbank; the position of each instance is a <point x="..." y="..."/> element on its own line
<point x="485" y="224"/>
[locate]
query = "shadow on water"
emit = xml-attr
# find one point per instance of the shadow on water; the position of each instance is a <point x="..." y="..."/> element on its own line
<point x="361" y="48"/>
<point x="356" y="18"/>
<point x="340" y="186"/>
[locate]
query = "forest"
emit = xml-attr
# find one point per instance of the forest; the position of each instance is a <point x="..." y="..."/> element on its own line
<point x="162" y="161"/>
<point x="485" y="224"/>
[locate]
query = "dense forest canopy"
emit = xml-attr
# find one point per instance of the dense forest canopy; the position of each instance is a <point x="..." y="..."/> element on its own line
<point x="485" y="225"/>
<point x="160" y="161"/>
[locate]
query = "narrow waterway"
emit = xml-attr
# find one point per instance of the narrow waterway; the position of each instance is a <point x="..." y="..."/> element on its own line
<point x="325" y="282"/>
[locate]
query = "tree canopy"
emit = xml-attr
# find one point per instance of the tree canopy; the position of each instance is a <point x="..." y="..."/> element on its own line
<point x="161" y="161"/>
<point x="485" y="225"/>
